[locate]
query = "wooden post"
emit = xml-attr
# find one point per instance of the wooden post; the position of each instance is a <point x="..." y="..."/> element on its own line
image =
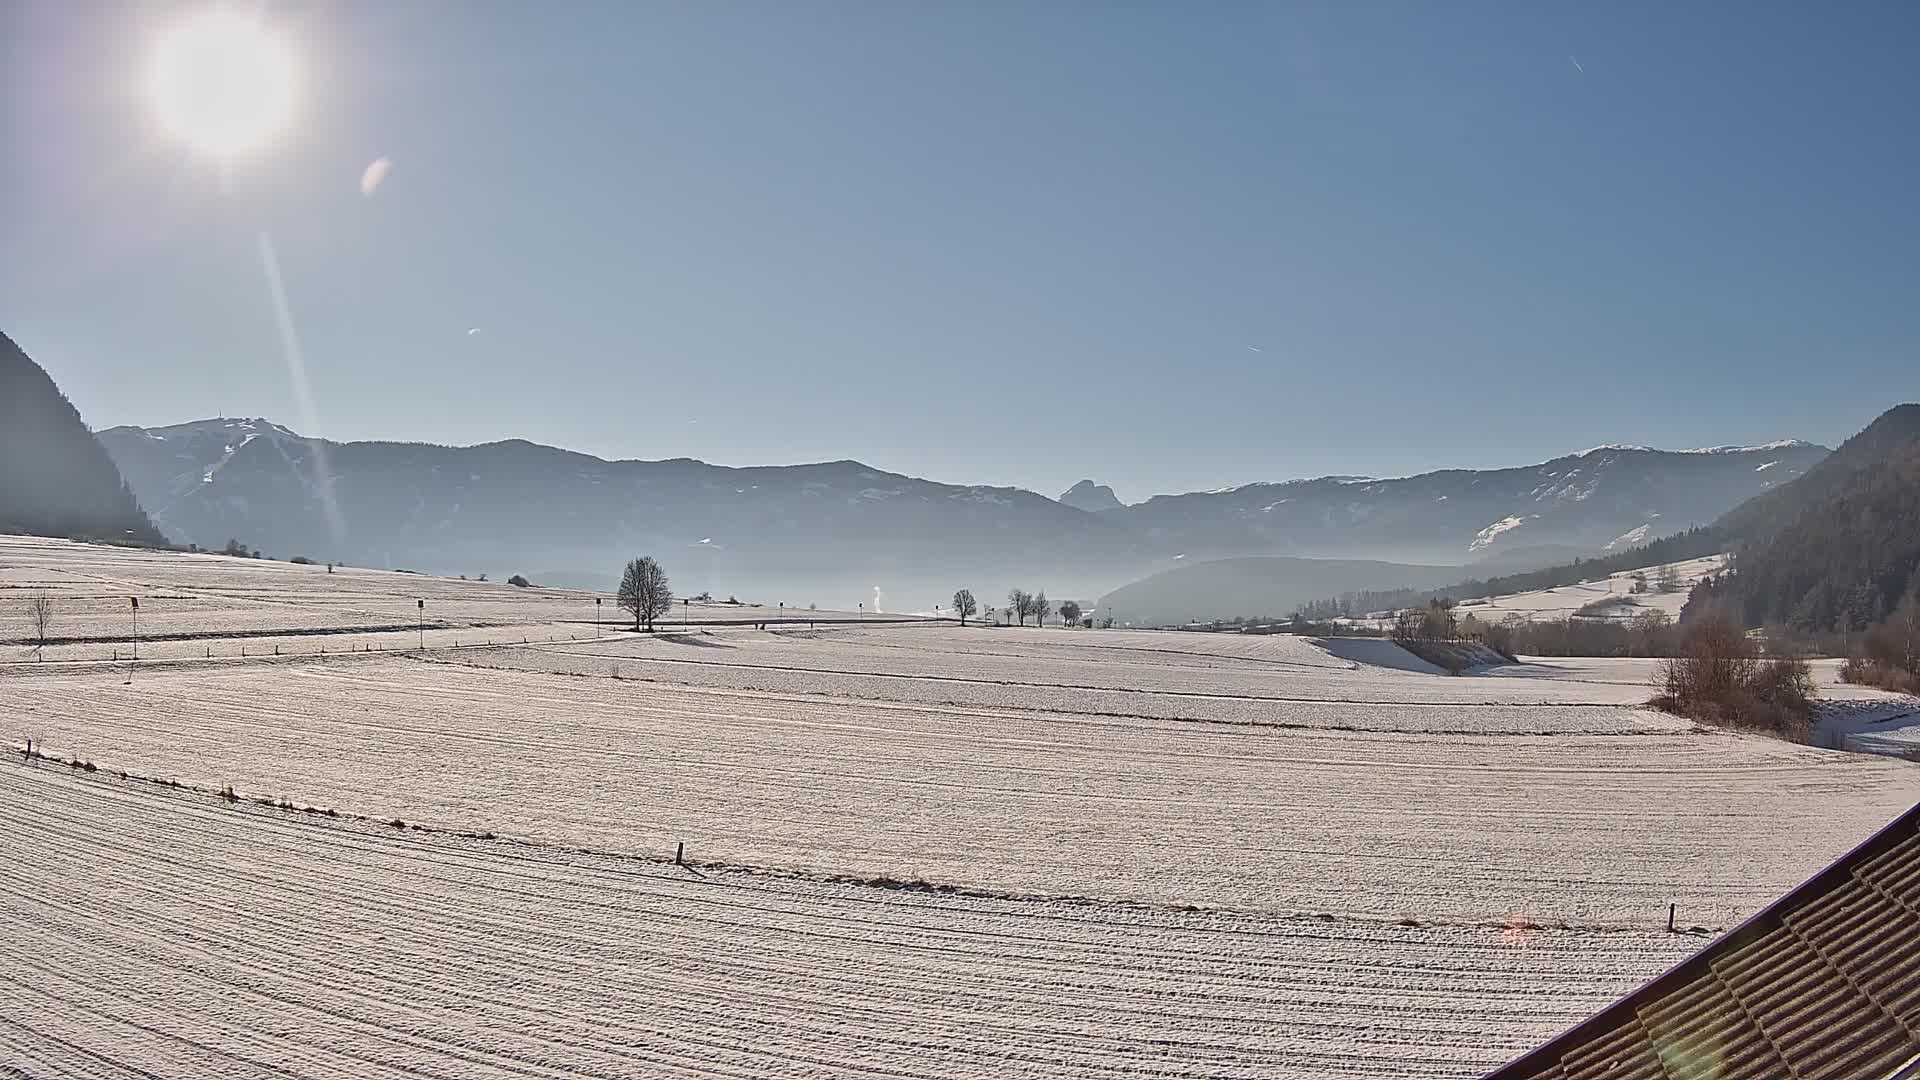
<point x="1671" y="908"/>
<point x="680" y="853"/>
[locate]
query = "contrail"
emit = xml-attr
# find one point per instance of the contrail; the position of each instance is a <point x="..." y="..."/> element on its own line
<point x="1577" y="67"/>
<point x="302" y="392"/>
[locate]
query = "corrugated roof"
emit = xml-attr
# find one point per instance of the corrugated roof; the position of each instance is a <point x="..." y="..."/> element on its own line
<point x="1822" y="985"/>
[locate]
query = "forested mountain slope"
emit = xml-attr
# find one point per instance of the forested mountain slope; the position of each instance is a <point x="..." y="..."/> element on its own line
<point x="55" y="479"/>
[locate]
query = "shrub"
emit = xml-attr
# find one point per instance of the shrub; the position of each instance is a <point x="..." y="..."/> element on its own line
<point x="1720" y="679"/>
<point x="1864" y="672"/>
<point x="1603" y="607"/>
<point x="1496" y="636"/>
<point x="302" y="560"/>
<point x="519" y="582"/>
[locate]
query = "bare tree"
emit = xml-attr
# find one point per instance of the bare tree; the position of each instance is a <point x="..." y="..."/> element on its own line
<point x="1041" y="608"/>
<point x="1070" y="613"/>
<point x="40" y="620"/>
<point x="1646" y="631"/>
<point x="1667" y="579"/>
<point x="1020" y="604"/>
<point x="644" y="591"/>
<point x="1434" y="622"/>
<point x="964" y="605"/>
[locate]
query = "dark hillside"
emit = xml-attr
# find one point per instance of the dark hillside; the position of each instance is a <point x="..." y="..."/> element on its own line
<point x="55" y="478"/>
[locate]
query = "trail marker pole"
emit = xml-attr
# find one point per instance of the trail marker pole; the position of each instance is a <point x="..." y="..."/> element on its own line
<point x="423" y="624"/>
<point x="680" y="853"/>
<point x="1671" y="908"/>
<point x="596" y="618"/>
<point x="136" y="626"/>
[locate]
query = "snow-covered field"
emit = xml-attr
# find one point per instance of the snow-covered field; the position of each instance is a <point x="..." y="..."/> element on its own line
<point x="193" y="605"/>
<point x="1568" y="600"/>
<point x="1160" y="854"/>
<point x="153" y="933"/>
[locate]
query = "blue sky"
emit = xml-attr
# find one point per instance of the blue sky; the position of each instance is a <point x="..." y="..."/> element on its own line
<point x="995" y="242"/>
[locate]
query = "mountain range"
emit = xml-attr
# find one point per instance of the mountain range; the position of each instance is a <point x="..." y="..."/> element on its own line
<point x="843" y="532"/>
<point x="836" y="533"/>
<point x="1605" y="498"/>
<point x="1834" y="550"/>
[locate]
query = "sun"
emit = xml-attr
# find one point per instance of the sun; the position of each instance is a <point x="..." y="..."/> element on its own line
<point x="222" y="82"/>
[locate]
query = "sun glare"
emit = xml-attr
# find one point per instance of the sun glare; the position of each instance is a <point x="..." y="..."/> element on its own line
<point x="222" y="82"/>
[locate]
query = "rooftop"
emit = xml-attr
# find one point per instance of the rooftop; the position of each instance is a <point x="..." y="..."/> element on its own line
<point x="1825" y="982"/>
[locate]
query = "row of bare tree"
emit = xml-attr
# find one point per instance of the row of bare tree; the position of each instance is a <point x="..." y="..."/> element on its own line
<point x="1021" y="605"/>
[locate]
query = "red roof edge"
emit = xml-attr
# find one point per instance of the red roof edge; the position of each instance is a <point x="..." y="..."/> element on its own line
<point x="1767" y="919"/>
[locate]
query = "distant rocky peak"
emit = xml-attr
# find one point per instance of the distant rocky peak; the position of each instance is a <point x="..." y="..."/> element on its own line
<point x="1091" y="497"/>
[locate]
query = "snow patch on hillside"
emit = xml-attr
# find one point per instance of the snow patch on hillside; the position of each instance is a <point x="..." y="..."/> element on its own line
<point x="226" y="455"/>
<point x="1492" y="532"/>
<point x="1631" y="538"/>
<point x="1777" y="444"/>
